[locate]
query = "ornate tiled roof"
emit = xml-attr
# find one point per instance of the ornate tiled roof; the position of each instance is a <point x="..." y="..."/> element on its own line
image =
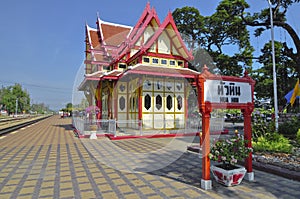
<point x="163" y="71"/>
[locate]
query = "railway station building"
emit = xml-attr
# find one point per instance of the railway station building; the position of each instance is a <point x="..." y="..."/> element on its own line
<point x="139" y="73"/>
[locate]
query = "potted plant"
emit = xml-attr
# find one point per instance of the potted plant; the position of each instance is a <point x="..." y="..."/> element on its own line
<point x="228" y="152"/>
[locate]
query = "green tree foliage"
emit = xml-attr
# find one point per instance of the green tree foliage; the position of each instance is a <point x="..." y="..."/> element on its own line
<point x="225" y="28"/>
<point x="262" y="22"/>
<point x="12" y="95"/>
<point x="264" y="75"/>
<point x="190" y="23"/>
<point x="68" y="108"/>
<point x="214" y="34"/>
<point x="40" y="108"/>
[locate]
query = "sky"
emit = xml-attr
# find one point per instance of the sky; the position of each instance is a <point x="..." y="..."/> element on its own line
<point x="42" y="41"/>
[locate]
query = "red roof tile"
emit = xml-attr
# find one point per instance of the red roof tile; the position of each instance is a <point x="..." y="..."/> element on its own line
<point x="163" y="71"/>
<point x="94" y="38"/>
<point x="114" y="35"/>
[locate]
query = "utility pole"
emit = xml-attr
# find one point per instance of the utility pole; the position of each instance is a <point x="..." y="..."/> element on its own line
<point x="16" y="107"/>
<point x="274" y="68"/>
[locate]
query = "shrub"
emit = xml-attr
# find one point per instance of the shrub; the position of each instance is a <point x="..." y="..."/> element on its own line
<point x="275" y="143"/>
<point x="289" y="128"/>
<point x="262" y="128"/>
<point x="298" y="136"/>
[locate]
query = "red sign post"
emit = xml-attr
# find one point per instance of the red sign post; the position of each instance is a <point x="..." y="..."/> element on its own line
<point x="224" y="92"/>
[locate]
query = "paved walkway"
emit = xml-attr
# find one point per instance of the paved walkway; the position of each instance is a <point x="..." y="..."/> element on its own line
<point x="45" y="160"/>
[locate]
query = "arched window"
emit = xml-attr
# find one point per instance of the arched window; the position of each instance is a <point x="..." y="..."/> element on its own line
<point x="169" y="102"/>
<point x="179" y="102"/>
<point x="147" y="102"/>
<point x="158" y="102"/>
<point x="122" y="103"/>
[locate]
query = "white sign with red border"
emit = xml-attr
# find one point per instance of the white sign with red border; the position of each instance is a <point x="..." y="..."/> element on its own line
<point x="219" y="91"/>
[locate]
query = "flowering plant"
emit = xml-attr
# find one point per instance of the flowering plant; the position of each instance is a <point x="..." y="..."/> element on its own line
<point x="229" y="151"/>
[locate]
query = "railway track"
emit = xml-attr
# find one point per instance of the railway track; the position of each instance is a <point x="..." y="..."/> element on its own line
<point x="10" y="125"/>
<point x="13" y="120"/>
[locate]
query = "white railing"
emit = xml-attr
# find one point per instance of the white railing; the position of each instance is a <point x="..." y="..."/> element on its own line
<point x="88" y="126"/>
<point x="142" y="127"/>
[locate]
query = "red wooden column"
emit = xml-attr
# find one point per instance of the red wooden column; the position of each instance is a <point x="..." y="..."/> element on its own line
<point x="140" y="107"/>
<point x="185" y="101"/>
<point x="205" y="109"/>
<point x="206" y="181"/>
<point x="115" y="100"/>
<point x="109" y="103"/>
<point x="99" y="100"/>
<point x="247" y="136"/>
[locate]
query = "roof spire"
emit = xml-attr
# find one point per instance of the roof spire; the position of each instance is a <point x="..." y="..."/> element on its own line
<point x="148" y="4"/>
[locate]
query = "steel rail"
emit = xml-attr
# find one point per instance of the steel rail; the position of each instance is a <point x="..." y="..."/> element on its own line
<point x="18" y="126"/>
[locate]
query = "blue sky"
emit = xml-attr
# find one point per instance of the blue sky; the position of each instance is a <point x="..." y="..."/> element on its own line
<point x="42" y="41"/>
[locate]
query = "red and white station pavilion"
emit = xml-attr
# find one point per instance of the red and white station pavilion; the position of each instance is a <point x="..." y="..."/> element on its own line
<point x="141" y="73"/>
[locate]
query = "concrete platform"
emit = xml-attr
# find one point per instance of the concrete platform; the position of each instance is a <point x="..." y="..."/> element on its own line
<point x="46" y="160"/>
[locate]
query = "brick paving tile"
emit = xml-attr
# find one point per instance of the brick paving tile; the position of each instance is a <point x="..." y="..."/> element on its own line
<point x="46" y="160"/>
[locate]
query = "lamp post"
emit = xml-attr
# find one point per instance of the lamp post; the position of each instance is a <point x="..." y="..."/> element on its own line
<point x="274" y="67"/>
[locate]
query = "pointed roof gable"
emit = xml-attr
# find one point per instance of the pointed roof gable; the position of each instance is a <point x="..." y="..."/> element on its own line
<point x="170" y="28"/>
<point x="104" y="40"/>
<point x="92" y="37"/>
<point x="112" y="34"/>
<point x="149" y="19"/>
<point x="98" y="53"/>
<point x="148" y="16"/>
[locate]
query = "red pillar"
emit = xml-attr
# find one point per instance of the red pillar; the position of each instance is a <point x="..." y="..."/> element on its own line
<point x="115" y="100"/>
<point x="248" y="134"/>
<point x="205" y="111"/>
<point x="99" y="101"/>
<point x="205" y="145"/>
<point x="109" y="103"/>
<point x="185" y="101"/>
<point x="140" y="108"/>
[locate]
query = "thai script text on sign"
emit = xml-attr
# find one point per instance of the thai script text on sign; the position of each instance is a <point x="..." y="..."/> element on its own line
<point x="218" y="91"/>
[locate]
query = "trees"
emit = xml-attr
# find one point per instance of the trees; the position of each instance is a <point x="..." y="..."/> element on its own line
<point x="40" y="108"/>
<point x="264" y="77"/>
<point x="14" y="97"/>
<point x="214" y="34"/>
<point x="262" y="21"/>
<point x="225" y="37"/>
<point x="68" y="108"/>
<point x="191" y="24"/>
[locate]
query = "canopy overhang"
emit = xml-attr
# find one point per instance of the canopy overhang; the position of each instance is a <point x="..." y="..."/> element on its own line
<point x="141" y="69"/>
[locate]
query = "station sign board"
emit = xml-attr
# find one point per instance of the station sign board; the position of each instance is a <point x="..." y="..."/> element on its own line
<point x="219" y="91"/>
